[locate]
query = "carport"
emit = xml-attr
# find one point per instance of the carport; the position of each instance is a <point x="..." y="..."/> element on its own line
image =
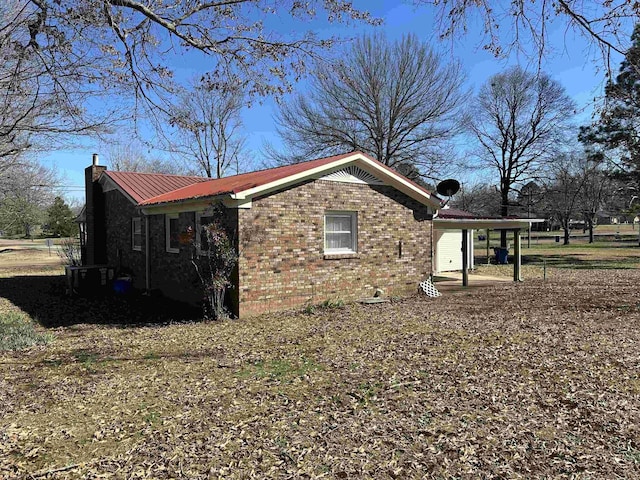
<point x="464" y="222"/>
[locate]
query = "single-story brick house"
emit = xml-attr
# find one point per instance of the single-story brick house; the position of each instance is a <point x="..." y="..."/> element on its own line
<point x="336" y="227"/>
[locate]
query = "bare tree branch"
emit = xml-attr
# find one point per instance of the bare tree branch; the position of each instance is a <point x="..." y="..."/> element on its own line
<point x="520" y="121"/>
<point x="524" y="26"/>
<point x="208" y="129"/>
<point x="399" y="102"/>
<point x="59" y="60"/>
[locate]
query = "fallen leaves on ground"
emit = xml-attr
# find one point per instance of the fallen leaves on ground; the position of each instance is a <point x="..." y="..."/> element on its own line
<point x="532" y="380"/>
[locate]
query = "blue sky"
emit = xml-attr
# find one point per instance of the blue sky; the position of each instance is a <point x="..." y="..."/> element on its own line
<point x="571" y="66"/>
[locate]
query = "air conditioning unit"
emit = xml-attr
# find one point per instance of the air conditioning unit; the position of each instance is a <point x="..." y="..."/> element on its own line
<point x="88" y="279"/>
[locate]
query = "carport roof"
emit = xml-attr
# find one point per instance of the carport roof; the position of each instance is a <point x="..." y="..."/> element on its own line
<point x="454" y="219"/>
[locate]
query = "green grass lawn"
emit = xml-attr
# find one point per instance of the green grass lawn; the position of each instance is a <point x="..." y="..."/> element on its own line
<point x="579" y="254"/>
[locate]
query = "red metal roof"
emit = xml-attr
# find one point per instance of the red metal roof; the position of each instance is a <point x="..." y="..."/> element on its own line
<point x="246" y="181"/>
<point x="455" y="213"/>
<point x="143" y="186"/>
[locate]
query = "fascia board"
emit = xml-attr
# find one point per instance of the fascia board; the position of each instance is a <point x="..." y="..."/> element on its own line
<point x="480" y="223"/>
<point x="109" y="184"/>
<point x="196" y="204"/>
<point x="178" y="207"/>
<point x="370" y="165"/>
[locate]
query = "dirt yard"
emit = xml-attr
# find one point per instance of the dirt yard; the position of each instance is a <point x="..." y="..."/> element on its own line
<point x="531" y="380"/>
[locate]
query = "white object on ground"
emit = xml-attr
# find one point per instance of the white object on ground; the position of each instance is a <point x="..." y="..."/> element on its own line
<point x="429" y="288"/>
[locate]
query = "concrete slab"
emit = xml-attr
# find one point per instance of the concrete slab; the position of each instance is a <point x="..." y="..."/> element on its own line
<point x="452" y="281"/>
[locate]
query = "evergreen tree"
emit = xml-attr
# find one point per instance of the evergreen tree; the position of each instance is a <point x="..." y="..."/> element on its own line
<point x="615" y="137"/>
<point x="61" y="219"/>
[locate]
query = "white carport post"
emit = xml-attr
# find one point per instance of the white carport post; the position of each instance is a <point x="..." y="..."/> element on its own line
<point x="465" y="257"/>
<point x="517" y="256"/>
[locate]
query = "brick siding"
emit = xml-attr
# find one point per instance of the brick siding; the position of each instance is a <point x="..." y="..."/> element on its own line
<point x="171" y="273"/>
<point x="281" y="244"/>
<point x="118" y="214"/>
<point x="282" y="262"/>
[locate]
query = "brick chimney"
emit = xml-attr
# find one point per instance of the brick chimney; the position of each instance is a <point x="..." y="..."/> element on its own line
<point x="94" y="198"/>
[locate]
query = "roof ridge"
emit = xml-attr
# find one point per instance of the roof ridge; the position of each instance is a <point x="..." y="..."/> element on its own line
<point x="265" y="169"/>
<point x="161" y="174"/>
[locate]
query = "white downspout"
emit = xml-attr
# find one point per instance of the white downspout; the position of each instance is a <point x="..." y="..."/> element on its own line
<point x="147" y="267"/>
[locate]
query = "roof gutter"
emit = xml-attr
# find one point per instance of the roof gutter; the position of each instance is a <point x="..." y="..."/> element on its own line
<point x="147" y="264"/>
<point x="482" y="223"/>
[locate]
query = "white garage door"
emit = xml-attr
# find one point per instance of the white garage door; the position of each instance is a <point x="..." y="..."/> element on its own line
<point x="448" y="251"/>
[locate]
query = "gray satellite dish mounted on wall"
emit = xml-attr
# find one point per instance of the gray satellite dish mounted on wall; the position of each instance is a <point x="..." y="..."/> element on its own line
<point x="448" y="188"/>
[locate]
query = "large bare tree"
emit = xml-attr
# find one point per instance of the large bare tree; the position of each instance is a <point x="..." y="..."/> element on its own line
<point x="520" y="121"/>
<point x="562" y="192"/>
<point x="55" y="55"/>
<point x="397" y="101"/>
<point x="596" y="188"/>
<point x="525" y="27"/>
<point x="208" y="126"/>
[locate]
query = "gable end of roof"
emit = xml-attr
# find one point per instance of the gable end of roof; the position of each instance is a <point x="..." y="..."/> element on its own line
<point x="245" y="186"/>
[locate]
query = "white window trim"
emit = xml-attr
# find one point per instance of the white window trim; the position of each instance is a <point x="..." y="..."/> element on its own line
<point x="199" y="215"/>
<point x="134" y="220"/>
<point x="354" y="232"/>
<point x="167" y="232"/>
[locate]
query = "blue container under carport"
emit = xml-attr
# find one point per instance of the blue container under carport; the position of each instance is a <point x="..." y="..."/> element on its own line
<point x="502" y="255"/>
<point x="122" y="285"/>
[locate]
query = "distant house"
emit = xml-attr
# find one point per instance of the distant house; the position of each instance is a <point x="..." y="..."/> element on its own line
<point x="337" y="227"/>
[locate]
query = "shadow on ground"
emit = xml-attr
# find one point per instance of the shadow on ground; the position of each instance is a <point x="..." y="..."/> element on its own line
<point x="44" y="299"/>
<point x="579" y="262"/>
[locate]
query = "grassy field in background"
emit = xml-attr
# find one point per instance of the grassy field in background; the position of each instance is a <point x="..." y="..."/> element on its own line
<point x="615" y="246"/>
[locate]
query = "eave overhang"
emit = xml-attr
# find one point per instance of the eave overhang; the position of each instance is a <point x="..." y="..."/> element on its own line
<point x="242" y="197"/>
<point x="387" y="175"/>
<point x="484" y="223"/>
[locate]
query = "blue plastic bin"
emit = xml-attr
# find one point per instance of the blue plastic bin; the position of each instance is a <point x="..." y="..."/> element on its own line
<point x="502" y="255"/>
<point x="122" y="285"/>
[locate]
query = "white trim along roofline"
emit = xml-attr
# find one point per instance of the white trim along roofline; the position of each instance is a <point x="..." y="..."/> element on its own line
<point x="243" y="198"/>
<point x="192" y="205"/>
<point x="358" y="158"/>
<point x="483" y="223"/>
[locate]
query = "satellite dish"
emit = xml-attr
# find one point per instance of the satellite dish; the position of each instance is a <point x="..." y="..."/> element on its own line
<point x="448" y="187"/>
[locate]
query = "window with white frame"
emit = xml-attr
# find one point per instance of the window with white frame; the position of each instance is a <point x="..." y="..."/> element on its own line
<point x="340" y="232"/>
<point x="136" y="233"/>
<point x="172" y="232"/>
<point x="202" y="220"/>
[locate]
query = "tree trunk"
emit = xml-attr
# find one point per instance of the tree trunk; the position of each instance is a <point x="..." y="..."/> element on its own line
<point x="590" y="232"/>
<point x="504" y="211"/>
<point x="503" y="238"/>
<point x="566" y="235"/>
